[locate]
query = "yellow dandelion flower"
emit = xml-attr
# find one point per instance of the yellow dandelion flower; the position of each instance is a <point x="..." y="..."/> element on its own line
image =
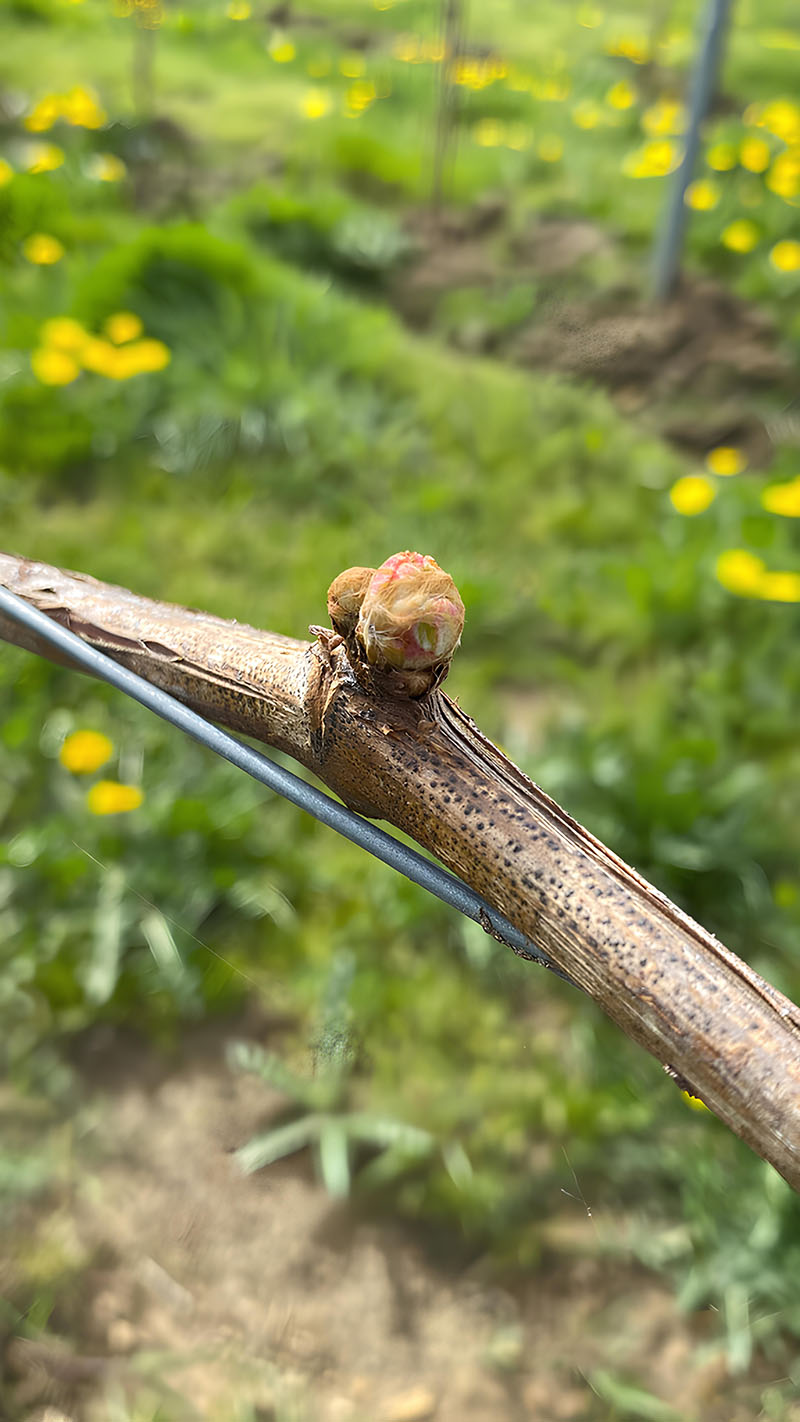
<point x="665" y="119"/>
<point x="42" y="250"/>
<point x="702" y="195"/>
<point x="44" y="114"/>
<point x="785" y="256"/>
<point x="99" y="356"/>
<point x="632" y="47"/>
<point x="693" y="1102"/>
<point x="653" y="160"/>
<point x="722" y="157"/>
<point x="550" y="148"/>
<point x="692" y="494"/>
<point x="360" y="95"/>
<point x="489" y="133"/>
<point x="44" y="158"/>
<point x="238" y="10"/>
<point x="741" y="235"/>
<point x="6" y="172"/>
<point x="779" y="587"/>
<point x="122" y="365"/>
<point x="740" y="572"/>
<point x="281" y="50"/>
<point x="64" y="334"/>
<point x="80" y="107"/>
<point x="352" y="65"/>
<point x="140" y="358"/>
<point x="781" y="117"/>
<point x="54" y="367"/>
<point x="467" y="73"/>
<point x="726" y="460"/>
<point x="132" y="360"/>
<point x="754" y="155"/>
<point x="783" y="499"/>
<point x="108" y="797"/>
<point x="621" y="95"/>
<point x="85" y="751"/>
<point x="123" y="326"/>
<point x="783" y="177"/>
<point x="153" y="355"/>
<point x="106" y="168"/>
<point x="317" y="103"/>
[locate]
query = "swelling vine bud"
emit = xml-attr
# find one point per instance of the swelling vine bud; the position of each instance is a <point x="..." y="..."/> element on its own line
<point x="401" y="623"/>
<point x="412" y="616"/>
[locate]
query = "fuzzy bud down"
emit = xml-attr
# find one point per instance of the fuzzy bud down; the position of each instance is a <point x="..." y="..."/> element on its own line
<point x="401" y="623"/>
<point x="411" y="617"/>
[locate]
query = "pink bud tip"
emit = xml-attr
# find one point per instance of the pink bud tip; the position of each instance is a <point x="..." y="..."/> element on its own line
<point x="411" y="617"/>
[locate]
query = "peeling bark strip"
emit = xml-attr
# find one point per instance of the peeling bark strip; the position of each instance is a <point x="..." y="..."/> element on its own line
<point x="425" y="767"/>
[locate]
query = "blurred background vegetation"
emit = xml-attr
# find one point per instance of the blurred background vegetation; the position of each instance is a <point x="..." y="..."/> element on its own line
<point x="286" y="291"/>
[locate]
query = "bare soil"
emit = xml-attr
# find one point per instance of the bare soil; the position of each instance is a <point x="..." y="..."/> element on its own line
<point x="703" y="369"/>
<point x="207" y="1294"/>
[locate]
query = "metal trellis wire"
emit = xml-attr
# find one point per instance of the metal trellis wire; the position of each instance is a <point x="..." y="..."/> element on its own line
<point x="669" y="245"/>
<point x="437" y="880"/>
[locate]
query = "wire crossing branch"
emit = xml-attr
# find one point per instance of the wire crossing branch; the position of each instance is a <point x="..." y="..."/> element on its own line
<point x="422" y="765"/>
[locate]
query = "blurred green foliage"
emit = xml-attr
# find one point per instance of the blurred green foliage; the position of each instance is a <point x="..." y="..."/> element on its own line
<point x="297" y="429"/>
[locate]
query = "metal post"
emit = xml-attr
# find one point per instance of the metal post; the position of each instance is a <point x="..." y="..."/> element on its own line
<point x="669" y="244"/>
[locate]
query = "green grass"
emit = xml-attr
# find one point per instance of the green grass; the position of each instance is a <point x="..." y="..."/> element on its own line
<point x="299" y="429"/>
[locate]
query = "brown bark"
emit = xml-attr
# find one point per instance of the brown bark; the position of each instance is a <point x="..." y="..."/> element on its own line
<point x="426" y="768"/>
